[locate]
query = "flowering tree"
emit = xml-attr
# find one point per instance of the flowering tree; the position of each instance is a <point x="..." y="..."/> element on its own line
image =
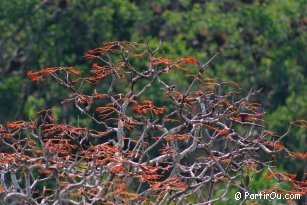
<point x="198" y="139"/>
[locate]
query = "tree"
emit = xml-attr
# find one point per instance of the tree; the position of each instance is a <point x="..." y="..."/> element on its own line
<point x="199" y="139"/>
<point x="263" y="46"/>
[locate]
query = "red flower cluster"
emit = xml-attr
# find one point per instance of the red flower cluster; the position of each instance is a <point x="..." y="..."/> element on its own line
<point x="189" y="60"/>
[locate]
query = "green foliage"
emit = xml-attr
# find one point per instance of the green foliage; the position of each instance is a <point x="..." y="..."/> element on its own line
<point x="33" y="104"/>
<point x="263" y="46"/>
<point x="10" y="97"/>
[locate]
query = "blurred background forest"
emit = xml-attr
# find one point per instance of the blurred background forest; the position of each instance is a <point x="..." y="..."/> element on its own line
<point x="264" y="46"/>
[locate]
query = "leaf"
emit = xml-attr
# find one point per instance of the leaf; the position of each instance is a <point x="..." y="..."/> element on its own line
<point x="277" y="146"/>
<point x="117" y="169"/>
<point x="1" y="189"/>
<point x="38" y="76"/>
<point x="246" y="180"/>
<point x="299" y="155"/>
<point x="147" y="106"/>
<point x="161" y="60"/>
<point x="300" y="123"/>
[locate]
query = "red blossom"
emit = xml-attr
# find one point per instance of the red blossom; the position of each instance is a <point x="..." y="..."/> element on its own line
<point x="189" y="60"/>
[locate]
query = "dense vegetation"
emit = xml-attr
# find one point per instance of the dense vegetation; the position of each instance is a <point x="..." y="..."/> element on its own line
<point x="263" y="46"/>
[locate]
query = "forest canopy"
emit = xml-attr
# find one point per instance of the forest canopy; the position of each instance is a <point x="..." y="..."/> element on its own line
<point x="262" y="44"/>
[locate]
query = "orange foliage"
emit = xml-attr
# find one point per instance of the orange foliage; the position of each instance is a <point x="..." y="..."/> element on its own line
<point x="147" y="106"/>
<point x="38" y="76"/>
<point x="20" y="124"/>
<point x="189" y="60"/>
<point x="161" y="60"/>
<point x="299" y="155"/>
<point x="278" y="146"/>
